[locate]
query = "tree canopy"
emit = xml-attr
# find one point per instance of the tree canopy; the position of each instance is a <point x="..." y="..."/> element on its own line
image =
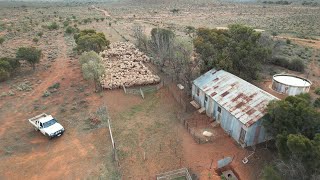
<point x="92" y="67"/>
<point x="295" y="124"/>
<point x="7" y="67"/>
<point x="236" y="50"/>
<point x="161" y="45"/>
<point x="31" y="54"/>
<point x="90" y="40"/>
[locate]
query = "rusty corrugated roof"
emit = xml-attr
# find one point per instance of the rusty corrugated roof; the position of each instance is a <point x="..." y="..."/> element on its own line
<point x="243" y="100"/>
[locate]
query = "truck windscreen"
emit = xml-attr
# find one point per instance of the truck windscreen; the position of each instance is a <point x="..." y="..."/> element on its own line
<point x="49" y="123"/>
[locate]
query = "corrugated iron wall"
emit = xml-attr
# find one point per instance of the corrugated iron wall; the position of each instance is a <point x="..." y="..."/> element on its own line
<point x="229" y="123"/>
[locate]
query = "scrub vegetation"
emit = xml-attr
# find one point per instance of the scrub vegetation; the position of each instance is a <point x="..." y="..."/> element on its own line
<point x="49" y="62"/>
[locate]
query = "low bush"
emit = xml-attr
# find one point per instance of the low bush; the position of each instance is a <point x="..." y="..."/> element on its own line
<point x="35" y="40"/>
<point x="280" y="61"/>
<point x="55" y="86"/>
<point x="66" y="23"/>
<point x="7" y="67"/>
<point x="288" y="41"/>
<point x="296" y="65"/>
<point x="317" y="103"/>
<point x="1" y="40"/>
<point x="40" y="34"/>
<point x="46" y="94"/>
<point x="71" y="30"/>
<point x="53" y="26"/>
<point x="317" y="91"/>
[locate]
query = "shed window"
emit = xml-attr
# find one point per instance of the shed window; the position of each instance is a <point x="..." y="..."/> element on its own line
<point x="219" y="109"/>
<point x="198" y="92"/>
<point x="206" y="98"/>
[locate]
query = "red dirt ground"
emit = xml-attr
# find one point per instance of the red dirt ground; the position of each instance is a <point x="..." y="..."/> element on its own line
<point x="198" y="157"/>
<point x="27" y="154"/>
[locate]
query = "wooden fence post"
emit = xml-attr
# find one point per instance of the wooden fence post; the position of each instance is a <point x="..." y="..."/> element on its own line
<point x="141" y="92"/>
<point x="124" y="89"/>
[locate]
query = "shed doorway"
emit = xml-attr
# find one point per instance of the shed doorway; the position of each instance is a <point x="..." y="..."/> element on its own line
<point x="242" y="135"/>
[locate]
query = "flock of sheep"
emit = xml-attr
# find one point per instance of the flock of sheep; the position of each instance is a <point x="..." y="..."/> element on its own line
<point x="124" y="65"/>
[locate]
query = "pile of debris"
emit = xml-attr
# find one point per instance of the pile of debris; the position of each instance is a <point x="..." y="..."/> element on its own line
<point x="124" y="65"/>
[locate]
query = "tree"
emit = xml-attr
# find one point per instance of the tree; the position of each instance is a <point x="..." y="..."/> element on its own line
<point x="141" y="38"/>
<point x="295" y="124"/>
<point x="31" y="54"/>
<point x="90" y="40"/>
<point x="92" y="68"/>
<point x="7" y="67"/>
<point x="181" y="57"/>
<point x="173" y="55"/>
<point x="293" y="115"/>
<point x="236" y="50"/>
<point x="161" y="44"/>
<point x="270" y="173"/>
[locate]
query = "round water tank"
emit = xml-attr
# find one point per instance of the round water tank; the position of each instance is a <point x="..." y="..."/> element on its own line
<point x="290" y="84"/>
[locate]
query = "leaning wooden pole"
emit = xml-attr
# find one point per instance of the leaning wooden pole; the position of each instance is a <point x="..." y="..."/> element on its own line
<point x="115" y="157"/>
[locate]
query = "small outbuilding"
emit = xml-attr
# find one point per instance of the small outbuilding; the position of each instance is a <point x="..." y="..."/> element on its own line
<point x="237" y="105"/>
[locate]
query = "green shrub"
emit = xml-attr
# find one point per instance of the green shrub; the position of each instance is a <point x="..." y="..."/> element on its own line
<point x="317" y="91"/>
<point x="317" y="103"/>
<point x="280" y="61"/>
<point x="31" y="54"/>
<point x="296" y="65"/>
<point x="66" y="23"/>
<point x="288" y="41"/>
<point x="4" y="74"/>
<point x="35" y="40"/>
<point x="46" y="94"/>
<point x="174" y="10"/>
<point x="88" y="20"/>
<point x="53" y="26"/>
<point x="90" y="40"/>
<point x="55" y="86"/>
<point x="7" y="67"/>
<point x="40" y="34"/>
<point x="274" y="34"/>
<point x="24" y="86"/>
<point x="2" y="40"/>
<point x="71" y="30"/>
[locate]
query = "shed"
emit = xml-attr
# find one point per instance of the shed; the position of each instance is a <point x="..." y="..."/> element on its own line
<point x="236" y="104"/>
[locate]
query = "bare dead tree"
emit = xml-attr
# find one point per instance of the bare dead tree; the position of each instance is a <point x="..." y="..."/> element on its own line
<point x="161" y="44"/>
<point x="181" y="58"/>
<point x="292" y="169"/>
<point x="141" y="37"/>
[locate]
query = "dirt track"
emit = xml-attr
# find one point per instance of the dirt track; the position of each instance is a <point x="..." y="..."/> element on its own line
<point x="304" y="42"/>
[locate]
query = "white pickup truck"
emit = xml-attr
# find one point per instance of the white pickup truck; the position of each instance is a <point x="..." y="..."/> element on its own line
<point x="47" y="125"/>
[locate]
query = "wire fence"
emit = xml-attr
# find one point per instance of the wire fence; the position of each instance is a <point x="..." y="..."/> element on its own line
<point x="175" y="174"/>
<point x="194" y="128"/>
